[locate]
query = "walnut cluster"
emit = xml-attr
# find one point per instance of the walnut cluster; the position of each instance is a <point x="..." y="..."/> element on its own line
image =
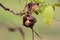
<point x="29" y="21"/>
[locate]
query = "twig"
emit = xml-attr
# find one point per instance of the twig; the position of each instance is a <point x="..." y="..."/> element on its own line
<point x="32" y="34"/>
<point x="56" y="19"/>
<point x="12" y="11"/>
<point x="37" y="34"/>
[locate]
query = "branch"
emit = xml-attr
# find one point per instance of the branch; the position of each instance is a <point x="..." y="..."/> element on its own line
<point x="12" y="11"/>
<point x="56" y="4"/>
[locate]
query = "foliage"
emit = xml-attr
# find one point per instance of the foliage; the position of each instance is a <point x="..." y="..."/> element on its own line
<point x="48" y="14"/>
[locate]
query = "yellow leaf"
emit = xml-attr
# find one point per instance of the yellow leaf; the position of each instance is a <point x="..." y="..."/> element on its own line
<point x="48" y="14"/>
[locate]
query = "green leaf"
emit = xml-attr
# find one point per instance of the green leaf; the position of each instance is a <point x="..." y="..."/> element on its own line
<point x="48" y="14"/>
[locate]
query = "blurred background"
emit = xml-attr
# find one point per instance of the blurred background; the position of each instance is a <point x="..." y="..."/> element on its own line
<point x="7" y="19"/>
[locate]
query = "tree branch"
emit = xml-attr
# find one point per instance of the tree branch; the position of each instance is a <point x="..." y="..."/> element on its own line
<point x="12" y="11"/>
